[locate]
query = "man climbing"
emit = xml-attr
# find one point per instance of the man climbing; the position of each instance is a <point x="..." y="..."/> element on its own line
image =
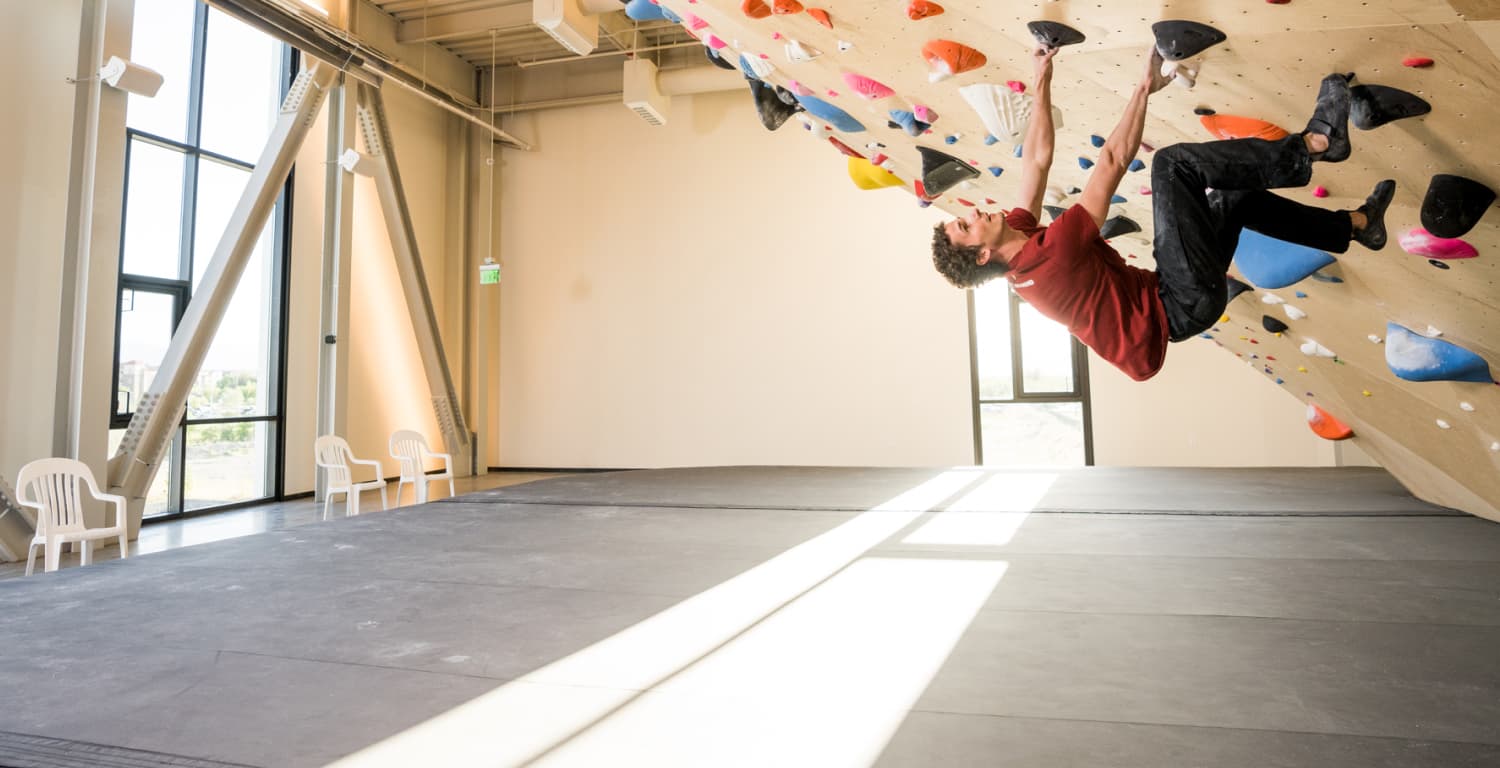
<point x="1125" y="314"/>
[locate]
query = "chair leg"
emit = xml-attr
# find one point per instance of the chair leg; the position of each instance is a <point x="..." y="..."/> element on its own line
<point x="451" y="492"/>
<point x="351" y="503"/>
<point x="399" y="484"/>
<point x="383" y="504"/>
<point x="87" y="557"/>
<point x="31" y="557"/>
<point x="124" y="551"/>
<point x="52" y="555"/>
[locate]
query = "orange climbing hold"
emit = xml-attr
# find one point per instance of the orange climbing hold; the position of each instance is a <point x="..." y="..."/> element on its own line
<point x="1326" y="426"/>
<point x="786" y="7"/>
<point x="821" y="16"/>
<point x="1234" y="127"/>
<point x="921" y="9"/>
<point x="951" y="58"/>
<point x="756" y="9"/>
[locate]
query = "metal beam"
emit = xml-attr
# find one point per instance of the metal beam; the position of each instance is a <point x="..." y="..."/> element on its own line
<point x="161" y="408"/>
<point x="380" y="154"/>
<point x="464" y="24"/>
<point x="338" y="249"/>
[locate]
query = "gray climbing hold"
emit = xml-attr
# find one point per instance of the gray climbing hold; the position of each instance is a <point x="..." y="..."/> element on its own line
<point x="1454" y="204"/>
<point x="1054" y="34"/>
<point x="1179" y="39"/>
<point x="1371" y="106"/>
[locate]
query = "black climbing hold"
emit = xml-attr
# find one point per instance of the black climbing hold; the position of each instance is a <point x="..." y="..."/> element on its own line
<point x="1272" y="325"/>
<point x="1179" y="39"/>
<point x="1118" y="225"/>
<point x="1439" y="264"/>
<point x="715" y="59"/>
<point x="1371" y="106"/>
<point x="1236" y="287"/>
<point x="1054" y="211"/>
<point x="1053" y="34"/>
<point x="787" y="97"/>
<point x="1204" y="111"/>
<point x="941" y="171"/>
<point x="772" y="110"/>
<point x="1454" y="204"/>
<point x="1074" y="190"/>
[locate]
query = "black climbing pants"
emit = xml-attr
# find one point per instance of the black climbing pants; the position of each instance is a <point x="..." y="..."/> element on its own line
<point x="1197" y="229"/>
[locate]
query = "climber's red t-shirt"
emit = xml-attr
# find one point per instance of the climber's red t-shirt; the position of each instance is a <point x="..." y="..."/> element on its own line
<point x="1071" y="275"/>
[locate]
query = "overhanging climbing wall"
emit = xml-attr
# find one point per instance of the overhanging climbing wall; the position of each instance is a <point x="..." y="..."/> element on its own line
<point x="866" y="61"/>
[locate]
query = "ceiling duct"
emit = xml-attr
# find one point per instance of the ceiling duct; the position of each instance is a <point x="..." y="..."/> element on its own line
<point x="571" y="25"/>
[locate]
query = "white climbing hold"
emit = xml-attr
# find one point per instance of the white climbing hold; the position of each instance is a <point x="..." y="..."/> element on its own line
<point x="1432" y="332"/>
<point x="1004" y="112"/>
<point x="1495" y="446"/>
<point x="1294" y="313"/>
<point x="1272" y="298"/>
<point x="845" y="46"/>
<point x="1053" y="195"/>
<point x="761" y="67"/>
<point x="1315" y="349"/>
<point x="1467" y="406"/>
<point x="796" y="51"/>
<point x="1443" y="424"/>
<point x="1373" y="339"/>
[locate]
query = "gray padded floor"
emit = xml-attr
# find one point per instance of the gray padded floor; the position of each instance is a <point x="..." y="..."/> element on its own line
<point x="785" y="616"/>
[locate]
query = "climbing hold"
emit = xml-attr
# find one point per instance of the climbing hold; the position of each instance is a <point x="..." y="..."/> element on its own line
<point x="1324" y="277"/>
<point x="798" y="89"/>
<point x="821" y="16"/>
<point x="1371" y="106"/>
<point x="908" y="122"/>
<point x="962" y="201"/>
<point x="1118" y="225"/>
<point x="1136" y="165"/>
<point x="868" y="175"/>
<point x="1204" y="111"/>
<point x="1293" y="312"/>
<point x="1373" y="339"/>
<point x="1054" y="34"/>
<point x="645" y="10"/>
<point x="1438" y="264"/>
<point x="1180" y="39"/>
<point x="1054" y="211"/>
<point x="1272" y="298"/>
<point x="1004" y="112"/>
<point x="1326" y="426"/>
<point x="1418" y="62"/>
<point x="1272" y="263"/>
<point x="867" y="87"/>
<point x="1073" y="190"/>
<point x="1466" y="406"/>
<point x="1301" y="294"/>
<point x="1018" y="150"/>
<point x="786" y="7"/>
<point x="1236" y="127"/>
<point x="716" y="43"/>
<point x="825" y="111"/>
<point x="1443" y="424"/>
<point x="1420" y="242"/>
<point x="1016" y="85"/>
<point x="989" y="139"/>
<point x="1144" y="190"/>
<point x="772" y="110"/>
<point x="1273" y="325"/>
<point x="1085" y="163"/>
<point x="995" y="170"/>
<point x="941" y="171"/>
<point x="796" y="51"/>
<point x="1432" y="332"/>
<point x="756" y="67"/>
<point x="1314" y="349"/>
<point x="1117" y="199"/>
<point x="1320" y="191"/>
<point x="951" y="139"/>
<point x="845" y="148"/>
<point x="693" y="22"/>
<point x="1454" y="204"/>
<point x="1416" y="358"/>
<point x="1096" y="140"/>
<point x="845" y="46"/>
<point x="924" y="114"/>
<point x="921" y="9"/>
<point x="946" y="58"/>
<point x="715" y="59"/>
<point x="1235" y="287"/>
<point x="1366" y="392"/>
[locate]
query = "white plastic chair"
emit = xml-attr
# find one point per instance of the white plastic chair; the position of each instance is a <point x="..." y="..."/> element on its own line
<point x="410" y="449"/>
<point x="334" y="456"/>
<point x="50" y="486"/>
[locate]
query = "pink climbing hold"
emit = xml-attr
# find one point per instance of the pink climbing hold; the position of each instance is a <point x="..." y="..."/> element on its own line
<point x="1146" y="191"/>
<point x="800" y="89"/>
<point x="694" y="23"/>
<point x="1419" y="62"/>
<point x="1016" y="85"/>
<point x="775" y="35"/>
<point x="832" y="94"/>
<point x="1320" y="191"/>
<point x="879" y="159"/>
<point x="715" y="43"/>
<point x="1420" y="242"/>
<point x="923" y="114"/>
<point x="990" y="201"/>
<point x="867" y="87"/>
<point x="1278" y="2"/>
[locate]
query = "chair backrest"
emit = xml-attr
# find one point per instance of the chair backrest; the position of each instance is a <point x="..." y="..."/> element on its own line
<point x="52" y="485"/>
<point x="332" y="453"/>
<point x="408" y="446"/>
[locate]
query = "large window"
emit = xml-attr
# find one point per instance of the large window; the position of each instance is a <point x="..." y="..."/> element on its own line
<point x="189" y="155"/>
<point x="1031" y="380"/>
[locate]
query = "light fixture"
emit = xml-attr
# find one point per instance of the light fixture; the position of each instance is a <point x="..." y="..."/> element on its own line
<point x="130" y="77"/>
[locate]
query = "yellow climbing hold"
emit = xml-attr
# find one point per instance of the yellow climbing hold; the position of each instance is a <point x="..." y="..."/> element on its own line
<point x="1224" y="319"/>
<point x="1301" y="369"/>
<point x="1365" y="392"/>
<point x="867" y="175"/>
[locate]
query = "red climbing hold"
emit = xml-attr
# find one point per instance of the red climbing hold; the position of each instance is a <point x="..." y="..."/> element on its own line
<point x="1016" y="85"/>
<point x="756" y="9"/>
<point x="1325" y="426"/>
<point x="845" y="148"/>
<point x="921" y="9"/>
<point x="1278" y="2"/>
<point x="821" y="16"/>
<point x="965" y="202"/>
<point x="786" y="7"/>
<point x="1234" y="127"/>
<point x="1416" y="61"/>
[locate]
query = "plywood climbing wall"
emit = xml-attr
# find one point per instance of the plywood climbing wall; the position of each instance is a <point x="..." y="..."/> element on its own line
<point x="1442" y="439"/>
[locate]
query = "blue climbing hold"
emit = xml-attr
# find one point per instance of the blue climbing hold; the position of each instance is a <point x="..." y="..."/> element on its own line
<point x="644" y="10"/>
<point x="1206" y="336"/>
<point x="1017" y="153"/>
<point x="907" y="121"/>
<point x="989" y="138"/>
<point x="824" y="111"/>
<point x="1117" y="199"/>
<point x="1137" y="164"/>
<point x="1085" y="163"/>
<point x="1272" y="263"/>
<point x="1096" y="140"/>
<point x="950" y="139"/>
<point x="1414" y="357"/>
<point x="923" y="203"/>
<point x="1326" y="278"/>
<point x="747" y="69"/>
<point x="996" y="170"/>
<point x="1301" y="294"/>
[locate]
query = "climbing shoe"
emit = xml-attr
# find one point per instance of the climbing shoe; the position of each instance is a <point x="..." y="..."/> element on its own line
<point x="1331" y="118"/>
<point x="1372" y="236"/>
